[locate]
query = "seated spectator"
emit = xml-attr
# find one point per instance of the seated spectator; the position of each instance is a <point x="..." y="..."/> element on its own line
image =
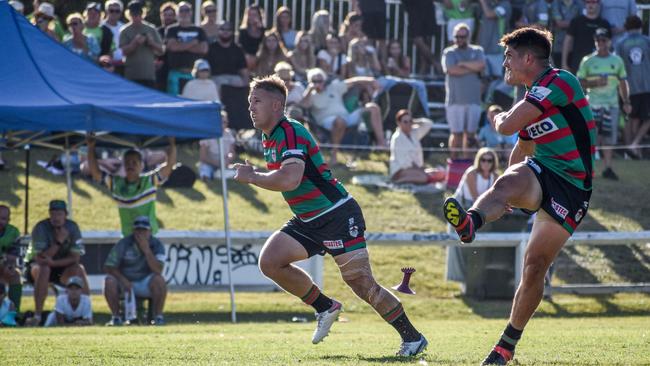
<point x="489" y="137"/>
<point x="270" y="53"/>
<point x="72" y="308"/>
<point x="79" y="43"/>
<point x="209" y="22"/>
<point x="251" y="33"/>
<point x="135" y="193"/>
<point x="135" y="264"/>
<point x="18" y="6"/>
<point x="350" y="29"/>
<point x="226" y="58"/>
<point x="362" y="60"/>
<point x="185" y="43"/>
<point x="332" y="60"/>
<point x="302" y="58"/>
<point x="140" y="44"/>
<point x="7" y="309"/>
<point x="282" y="26"/>
<point x="114" y="10"/>
<point x="9" y="254"/>
<point x="295" y="90"/>
<point x="43" y="17"/>
<point x="319" y="29"/>
<point x="201" y="87"/>
<point x="478" y="178"/>
<point x="330" y="113"/>
<point x="92" y="27"/>
<point x="209" y="153"/>
<point x="397" y="63"/>
<point x="406" y="157"/>
<point x="53" y="256"/>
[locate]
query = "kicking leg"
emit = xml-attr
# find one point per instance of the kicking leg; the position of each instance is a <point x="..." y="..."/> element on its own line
<point x="357" y="273"/>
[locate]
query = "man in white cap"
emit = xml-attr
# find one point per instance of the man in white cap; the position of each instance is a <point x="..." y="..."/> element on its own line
<point x="73" y="307"/>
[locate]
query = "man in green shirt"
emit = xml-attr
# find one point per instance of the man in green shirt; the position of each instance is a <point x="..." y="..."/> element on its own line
<point x="9" y="253"/>
<point x="135" y="193"/>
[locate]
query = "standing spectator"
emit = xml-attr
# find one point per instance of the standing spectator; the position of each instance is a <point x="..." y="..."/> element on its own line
<point x="462" y="64"/>
<point x="114" y="10"/>
<point x="93" y="27"/>
<point x="282" y="25"/>
<point x="302" y="58"/>
<point x="578" y="41"/>
<point x="295" y="91"/>
<point x="251" y="33"/>
<point x="493" y="24"/>
<point x="615" y="12"/>
<point x="135" y="193"/>
<point x="350" y="29"/>
<point x="270" y="53"/>
<point x="634" y="48"/>
<point x="602" y="74"/>
<point x="562" y="12"/>
<point x="362" y="60"/>
<point x="9" y="253"/>
<point x="210" y="155"/>
<point x="397" y="64"/>
<point x="79" y="43"/>
<point x="167" y="13"/>
<point x="406" y="157"/>
<point x="226" y="58"/>
<point x="72" y="308"/>
<point x="140" y="44"/>
<point x="201" y="87"/>
<point x="332" y="60"/>
<point x="457" y="12"/>
<point x="53" y="255"/>
<point x="18" y="6"/>
<point x="421" y="26"/>
<point x="536" y="12"/>
<point x="319" y="29"/>
<point x="185" y="44"/>
<point x="136" y="263"/>
<point x="209" y="23"/>
<point x="374" y="22"/>
<point x="43" y="17"/>
<point x="330" y="113"/>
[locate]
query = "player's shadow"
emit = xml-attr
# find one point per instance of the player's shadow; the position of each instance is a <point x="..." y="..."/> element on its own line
<point x="245" y="191"/>
<point x="336" y="359"/>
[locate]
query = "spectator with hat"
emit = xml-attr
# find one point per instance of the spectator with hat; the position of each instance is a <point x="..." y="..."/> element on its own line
<point x="72" y="308"/>
<point x="113" y="14"/>
<point x="201" y="87"/>
<point x="135" y="264"/>
<point x="43" y="18"/>
<point x="93" y="27"/>
<point x="9" y="253"/>
<point x="185" y="43"/>
<point x="140" y="44"/>
<point x="83" y="45"/>
<point x="54" y="255"/>
<point x="18" y="6"/>
<point x="603" y="76"/>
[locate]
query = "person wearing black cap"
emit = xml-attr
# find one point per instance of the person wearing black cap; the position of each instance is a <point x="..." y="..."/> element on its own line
<point x="140" y="44"/>
<point x="601" y="74"/>
<point x="53" y="255"/>
<point x="135" y="264"/>
<point x="92" y="27"/>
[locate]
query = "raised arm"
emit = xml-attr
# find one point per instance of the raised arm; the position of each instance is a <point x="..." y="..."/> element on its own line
<point x="166" y="170"/>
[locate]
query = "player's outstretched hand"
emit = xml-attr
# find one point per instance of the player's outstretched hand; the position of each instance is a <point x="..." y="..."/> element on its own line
<point x="244" y="172"/>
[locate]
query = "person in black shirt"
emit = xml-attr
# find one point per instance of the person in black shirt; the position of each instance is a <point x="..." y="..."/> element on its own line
<point x="251" y="33"/>
<point x="167" y="13"/>
<point x="578" y="41"/>
<point x="185" y="44"/>
<point x="226" y="58"/>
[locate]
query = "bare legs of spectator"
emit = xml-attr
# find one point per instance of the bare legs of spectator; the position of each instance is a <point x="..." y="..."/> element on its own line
<point x="411" y="175"/>
<point x="112" y="295"/>
<point x="338" y="130"/>
<point x="158" y="289"/>
<point x="639" y="135"/>
<point x="469" y="141"/>
<point x="376" y="123"/>
<point x="455" y="143"/>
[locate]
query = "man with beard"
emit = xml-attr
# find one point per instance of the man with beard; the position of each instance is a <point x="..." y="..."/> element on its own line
<point x="226" y="58"/>
<point x="550" y="170"/>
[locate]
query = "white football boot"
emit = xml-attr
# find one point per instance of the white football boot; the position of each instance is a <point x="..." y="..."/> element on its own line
<point x="412" y="348"/>
<point x="325" y="320"/>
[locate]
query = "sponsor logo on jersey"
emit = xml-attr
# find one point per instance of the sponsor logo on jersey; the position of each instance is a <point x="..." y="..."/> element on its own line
<point x="579" y="215"/>
<point x="539" y="93"/>
<point x="333" y="244"/>
<point x="541" y="128"/>
<point x="559" y="209"/>
<point x="534" y="165"/>
<point x="353" y="229"/>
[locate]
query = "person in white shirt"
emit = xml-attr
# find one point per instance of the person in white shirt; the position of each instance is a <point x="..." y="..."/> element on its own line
<point x="73" y="307"/>
<point x="406" y="158"/>
<point x="209" y="154"/>
<point x="295" y="90"/>
<point x="201" y="87"/>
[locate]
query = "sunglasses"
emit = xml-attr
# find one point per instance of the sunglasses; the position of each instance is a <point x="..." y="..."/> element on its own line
<point x="210" y="11"/>
<point x="114" y="11"/>
<point x="184" y="10"/>
<point x="74" y="24"/>
<point x="483" y="160"/>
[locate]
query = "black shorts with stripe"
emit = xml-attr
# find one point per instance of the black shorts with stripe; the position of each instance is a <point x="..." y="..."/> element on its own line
<point x="336" y="232"/>
<point x="563" y="201"/>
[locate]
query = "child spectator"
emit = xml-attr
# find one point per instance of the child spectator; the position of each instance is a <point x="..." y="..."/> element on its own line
<point x="9" y="253"/>
<point x="282" y="25"/>
<point x="302" y="58"/>
<point x="270" y="53"/>
<point x="72" y="308"/>
<point x="201" y="87"/>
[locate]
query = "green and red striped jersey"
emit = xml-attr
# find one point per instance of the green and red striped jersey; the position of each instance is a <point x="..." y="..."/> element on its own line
<point x="565" y="132"/>
<point x="318" y="191"/>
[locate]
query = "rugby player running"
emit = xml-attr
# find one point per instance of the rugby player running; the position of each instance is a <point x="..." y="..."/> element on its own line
<point x="550" y="171"/>
<point x="327" y="219"/>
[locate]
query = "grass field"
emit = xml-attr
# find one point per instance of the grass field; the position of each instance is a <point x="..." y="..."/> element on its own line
<point x="571" y="330"/>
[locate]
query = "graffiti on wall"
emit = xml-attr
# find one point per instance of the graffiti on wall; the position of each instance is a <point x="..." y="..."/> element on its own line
<point x="208" y="264"/>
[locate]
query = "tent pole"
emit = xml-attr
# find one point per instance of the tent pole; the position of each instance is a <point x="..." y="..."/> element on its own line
<point x="27" y="162"/>
<point x="197" y="13"/>
<point x="226" y="223"/>
<point x="68" y="178"/>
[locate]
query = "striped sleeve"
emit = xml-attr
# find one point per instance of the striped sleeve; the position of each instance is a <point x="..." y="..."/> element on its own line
<point x="293" y="146"/>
